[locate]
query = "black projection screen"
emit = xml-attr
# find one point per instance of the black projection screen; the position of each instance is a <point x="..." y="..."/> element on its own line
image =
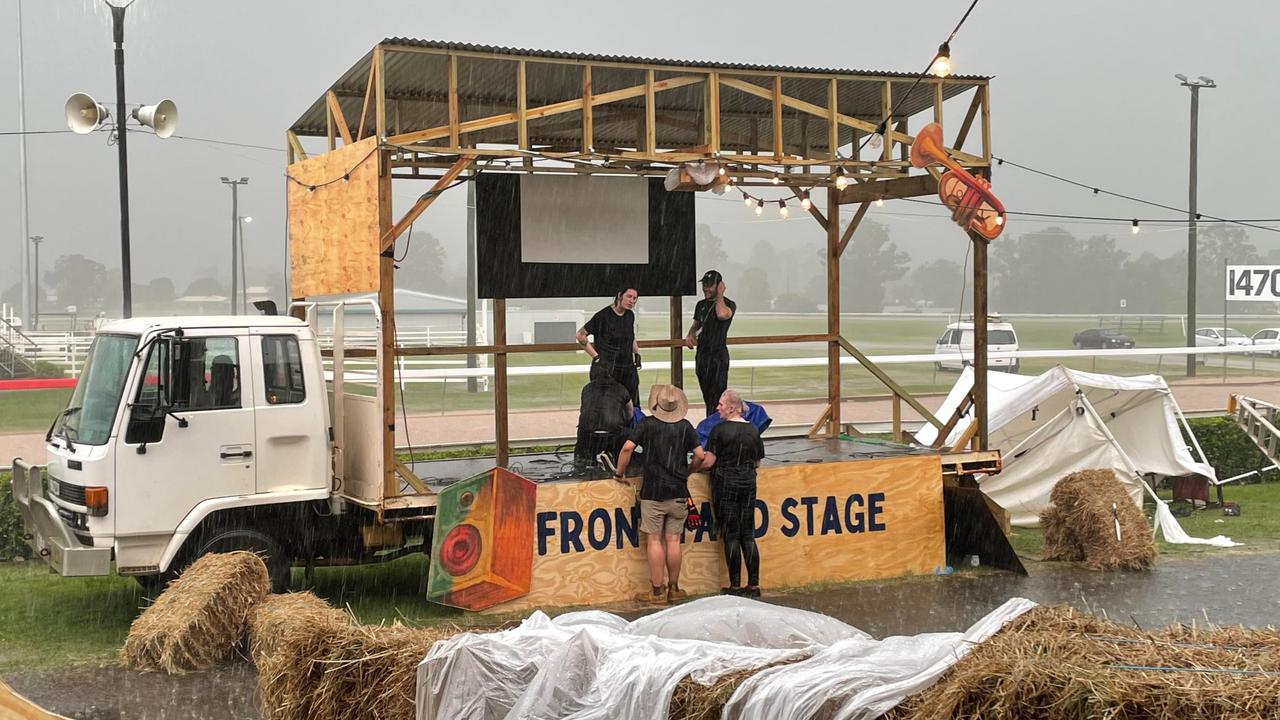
<point x="598" y="258"/>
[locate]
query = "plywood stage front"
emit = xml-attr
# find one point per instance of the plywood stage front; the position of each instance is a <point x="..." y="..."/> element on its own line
<point x="833" y="521"/>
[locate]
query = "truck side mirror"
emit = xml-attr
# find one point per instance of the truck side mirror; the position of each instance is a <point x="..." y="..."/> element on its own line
<point x="155" y="396"/>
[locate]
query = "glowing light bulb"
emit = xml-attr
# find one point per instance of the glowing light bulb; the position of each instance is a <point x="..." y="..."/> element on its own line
<point x="746" y="200"/>
<point x="782" y="209"/>
<point x="776" y="180"/>
<point x="842" y="182"/>
<point x="759" y="207"/>
<point x="876" y="141"/>
<point x="999" y="220"/>
<point x="1134" y="229"/>
<point x="942" y="63"/>
<point x="804" y="201"/>
<point x="879" y="202"/>
<point x="722" y="170"/>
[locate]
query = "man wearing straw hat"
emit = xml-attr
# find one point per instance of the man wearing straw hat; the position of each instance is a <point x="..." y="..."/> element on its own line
<point x="667" y="439"/>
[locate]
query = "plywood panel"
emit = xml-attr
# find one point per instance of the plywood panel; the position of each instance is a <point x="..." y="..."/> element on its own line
<point x="333" y="229"/>
<point x="362" y="448"/>
<point x="830" y="522"/>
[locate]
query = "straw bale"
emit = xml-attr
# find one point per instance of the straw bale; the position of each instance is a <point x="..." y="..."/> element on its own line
<point x="344" y="671"/>
<point x="1055" y="663"/>
<point x="694" y="701"/>
<point x="201" y="618"/>
<point x="1080" y="525"/>
<point x="280" y="617"/>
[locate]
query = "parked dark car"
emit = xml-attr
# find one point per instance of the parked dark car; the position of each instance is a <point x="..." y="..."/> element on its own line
<point x="1101" y="338"/>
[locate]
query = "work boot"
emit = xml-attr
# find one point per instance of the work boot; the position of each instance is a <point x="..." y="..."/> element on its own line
<point x="654" y="596"/>
<point x="675" y="594"/>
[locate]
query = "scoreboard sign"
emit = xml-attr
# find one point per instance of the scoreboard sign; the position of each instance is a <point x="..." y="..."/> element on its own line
<point x="1253" y="283"/>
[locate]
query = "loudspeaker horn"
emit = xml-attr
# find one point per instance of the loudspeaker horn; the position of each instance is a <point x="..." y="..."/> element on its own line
<point x="84" y="114"/>
<point x="161" y="117"/>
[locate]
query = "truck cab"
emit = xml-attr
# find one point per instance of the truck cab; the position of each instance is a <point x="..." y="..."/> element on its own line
<point x="184" y="436"/>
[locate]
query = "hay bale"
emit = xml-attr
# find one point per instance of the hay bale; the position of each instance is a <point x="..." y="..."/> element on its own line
<point x="279" y="618"/>
<point x="344" y="671"/>
<point x="1081" y="526"/>
<point x="201" y="618"/>
<point x="1055" y="663"/>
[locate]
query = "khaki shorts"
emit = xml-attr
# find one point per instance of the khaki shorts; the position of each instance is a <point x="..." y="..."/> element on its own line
<point x="663" y="516"/>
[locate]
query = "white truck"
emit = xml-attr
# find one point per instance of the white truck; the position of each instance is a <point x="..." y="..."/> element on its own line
<point x="186" y="436"/>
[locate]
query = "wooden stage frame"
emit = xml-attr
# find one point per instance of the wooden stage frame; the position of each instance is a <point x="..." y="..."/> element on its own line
<point x="444" y="111"/>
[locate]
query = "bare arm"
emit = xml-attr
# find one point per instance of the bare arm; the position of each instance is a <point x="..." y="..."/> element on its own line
<point x="723" y="311"/>
<point x="583" y="340"/>
<point x="708" y="460"/>
<point x="699" y="456"/>
<point x="691" y="339"/>
<point x="624" y="459"/>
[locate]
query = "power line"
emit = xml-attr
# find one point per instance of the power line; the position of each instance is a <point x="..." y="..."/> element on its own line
<point x="33" y="132"/>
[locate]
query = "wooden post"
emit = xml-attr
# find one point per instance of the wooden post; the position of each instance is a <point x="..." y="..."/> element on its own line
<point x="650" y="115"/>
<point x="777" y="118"/>
<point x="588" y="131"/>
<point x="833" y="309"/>
<point x="897" y="417"/>
<point x="677" y="351"/>
<point x="452" y="61"/>
<point x="500" y="406"/>
<point x="980" y="337"/>
<point x="380" y="99"/>
<point x="886" y="102"/>
<point x="387" y="306"/>
<point x="712" y="112"/>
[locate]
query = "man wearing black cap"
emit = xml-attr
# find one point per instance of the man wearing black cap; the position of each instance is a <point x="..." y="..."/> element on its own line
<point x="711" y="319"/>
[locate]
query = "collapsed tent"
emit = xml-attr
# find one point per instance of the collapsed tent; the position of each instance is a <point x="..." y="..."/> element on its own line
<point x="1063" y="421"/>
<point x="593" y="665"/>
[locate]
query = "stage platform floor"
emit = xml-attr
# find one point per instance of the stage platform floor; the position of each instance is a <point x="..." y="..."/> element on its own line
<point x="554" y="466"/>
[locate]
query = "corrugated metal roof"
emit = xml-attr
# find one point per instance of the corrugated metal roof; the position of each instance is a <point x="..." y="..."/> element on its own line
<point x="417" y="97"/>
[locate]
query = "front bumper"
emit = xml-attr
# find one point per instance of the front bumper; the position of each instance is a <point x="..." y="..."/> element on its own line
<point x="45" y="532"/>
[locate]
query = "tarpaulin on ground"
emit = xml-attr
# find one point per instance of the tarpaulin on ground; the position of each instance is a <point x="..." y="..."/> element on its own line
<point x="595" y="666"/>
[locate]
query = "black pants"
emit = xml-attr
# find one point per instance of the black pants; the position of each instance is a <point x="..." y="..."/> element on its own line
<point x="712" y="368"/>
<point x="629" y="378"/>
<point x="735" y="507"/>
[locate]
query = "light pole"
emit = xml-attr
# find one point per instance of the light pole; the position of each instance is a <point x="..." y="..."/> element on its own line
<point x="235" y="223"/>
<point x="35" y="300"/>
<point x="1194" y="85"/>
<point x="244" y="271"/>
<point x="84" y="115"/>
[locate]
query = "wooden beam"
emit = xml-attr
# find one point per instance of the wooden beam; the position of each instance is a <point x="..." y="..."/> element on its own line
<point x="650" y="115"/>
<point x="833" y="118"/>
<point x="574" y="347"/>
<point x="889" y="382"/>
<point x="962" y="408"/>
<point x="833" y="309"/>
<point x="410" y="477"/>
<point x="985" y="90"/>
<point x="814" y="211"/>
<point x="974" y="106"/>
<point x="886" y="113"/>
<point x="389" y="237"/>
<point x="453" y="100"/>
<point x="339" y="120"/>
<point x="712" y="112"/>
<point x="853" y="227"/>
<point x="937" y="102"/>
<point x="387" y="307"/>
<point x="368" y="94"/>
<point x="522" y="110"/>
<point x="979" y="338"/>
<point x="501" y="419"/>
<point x="328" y="129"/>
<point x="587" y="115"/>
<point x="897" y="419"/>
<point x="777" y="116"/>
<point x="380" y="97"/>
<point x="295" y="145"/>
<point x="823" y="422"/>
<point x="289" y="151"/>
<point x="966" y="437"/>
<point x="913" y="186"/>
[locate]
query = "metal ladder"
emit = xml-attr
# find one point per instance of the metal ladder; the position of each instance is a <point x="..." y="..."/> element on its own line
<point x="1260" y="421"/>
<point x="17" y="351"/>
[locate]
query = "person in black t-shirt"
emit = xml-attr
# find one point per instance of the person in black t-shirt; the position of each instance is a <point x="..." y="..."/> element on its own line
<point x="612" y="340"/>
<point x="711" y="319"/>
<point x="603" y="416"/>
<point x="667" y="439"/>
<point x="734" y="451"/>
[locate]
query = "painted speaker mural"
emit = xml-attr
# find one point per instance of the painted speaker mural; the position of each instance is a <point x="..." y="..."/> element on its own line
<point x="482" y="546"/>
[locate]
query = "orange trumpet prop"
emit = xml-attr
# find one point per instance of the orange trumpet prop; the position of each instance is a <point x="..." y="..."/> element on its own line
<point x="972" y="204"/>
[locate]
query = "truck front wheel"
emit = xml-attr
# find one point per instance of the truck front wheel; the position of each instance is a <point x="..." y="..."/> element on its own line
<point x="240" y="537"/>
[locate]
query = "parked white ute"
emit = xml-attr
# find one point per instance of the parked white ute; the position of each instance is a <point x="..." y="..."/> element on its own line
<point x="958" y="339"/>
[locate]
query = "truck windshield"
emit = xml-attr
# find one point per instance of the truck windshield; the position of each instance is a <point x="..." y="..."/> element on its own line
<point x="92" y="409"/>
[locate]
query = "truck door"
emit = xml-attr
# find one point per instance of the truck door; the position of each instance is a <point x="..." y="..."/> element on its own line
<point x="159" y="482"/>
<point x="291" y="424"/>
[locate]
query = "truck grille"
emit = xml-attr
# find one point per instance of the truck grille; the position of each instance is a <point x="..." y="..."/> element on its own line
<point x="67" y="492"/>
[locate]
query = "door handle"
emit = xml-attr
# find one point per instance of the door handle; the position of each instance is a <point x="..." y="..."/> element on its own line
<point x="241" y="454"/>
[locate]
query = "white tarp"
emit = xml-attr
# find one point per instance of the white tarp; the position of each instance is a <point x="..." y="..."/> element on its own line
<point x="596" y="666"/>
<point x="1050" y="425"/>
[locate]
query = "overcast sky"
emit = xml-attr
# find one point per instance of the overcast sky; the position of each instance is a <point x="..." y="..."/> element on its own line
<point x="1083" y="89"/>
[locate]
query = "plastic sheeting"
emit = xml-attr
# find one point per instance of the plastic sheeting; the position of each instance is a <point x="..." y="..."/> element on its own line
<point x="596" y="666"/>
